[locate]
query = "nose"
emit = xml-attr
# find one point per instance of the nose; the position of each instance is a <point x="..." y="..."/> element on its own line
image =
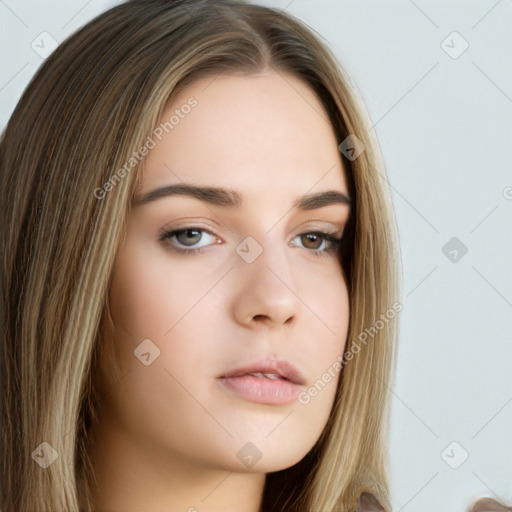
<point x="265" y="289"/>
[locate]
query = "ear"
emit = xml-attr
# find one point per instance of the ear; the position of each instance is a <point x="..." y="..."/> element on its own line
<point x="367" y="502"/>
<point x="489" y="505"/>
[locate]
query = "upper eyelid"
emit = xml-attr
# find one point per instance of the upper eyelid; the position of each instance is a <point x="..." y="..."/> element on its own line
<point x="324" y="224"/>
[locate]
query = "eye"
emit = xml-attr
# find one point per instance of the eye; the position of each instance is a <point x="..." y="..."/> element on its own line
<point x="185" y="236"/>
<point x="320" y="243"/>
<point x="325" y="238"/>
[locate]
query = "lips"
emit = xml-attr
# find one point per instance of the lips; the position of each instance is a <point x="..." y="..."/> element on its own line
<point x="267" y="382"/>
<point x="269" y="369"/>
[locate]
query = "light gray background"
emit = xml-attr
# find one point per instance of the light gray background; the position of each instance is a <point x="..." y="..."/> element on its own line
<point x="445" y="129"/>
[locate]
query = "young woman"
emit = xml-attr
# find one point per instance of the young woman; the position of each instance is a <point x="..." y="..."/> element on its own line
<point x="201" y="272"/>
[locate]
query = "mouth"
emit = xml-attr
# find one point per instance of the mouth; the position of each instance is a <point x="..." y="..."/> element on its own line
<point x="270" y="382"/>
<point x="267" y="375"/>
<point x="270" y="369"/>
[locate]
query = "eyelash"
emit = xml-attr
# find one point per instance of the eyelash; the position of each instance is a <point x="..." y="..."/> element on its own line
<point x="165" y="236"/>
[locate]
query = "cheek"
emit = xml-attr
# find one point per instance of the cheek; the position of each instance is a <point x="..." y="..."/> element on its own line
<point x="149" y="296"/>
<point x="325" y="294"/>
<point x="149" y="299"/>
<point x="326" y="320"/>
<point x="153" y="299"/>
<point x="328" y="331"/>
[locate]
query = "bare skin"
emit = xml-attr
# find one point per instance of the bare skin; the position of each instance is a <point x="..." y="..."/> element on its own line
<point x="170" y="431"/>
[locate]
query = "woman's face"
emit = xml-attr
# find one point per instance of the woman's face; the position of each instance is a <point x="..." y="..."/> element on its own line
<point x="259" y="291"/>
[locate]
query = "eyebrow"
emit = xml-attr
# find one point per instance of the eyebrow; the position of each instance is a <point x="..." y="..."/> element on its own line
<point x="232" y="199"/>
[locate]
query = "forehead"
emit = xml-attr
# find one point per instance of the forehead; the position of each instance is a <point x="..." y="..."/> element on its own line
<point x="258" y="133"/>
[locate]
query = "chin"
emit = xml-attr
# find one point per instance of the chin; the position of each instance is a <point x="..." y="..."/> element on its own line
<point x="270" y="455"/>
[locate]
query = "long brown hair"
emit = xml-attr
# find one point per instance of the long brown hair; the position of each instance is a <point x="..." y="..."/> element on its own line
<point x="91" y="105"/>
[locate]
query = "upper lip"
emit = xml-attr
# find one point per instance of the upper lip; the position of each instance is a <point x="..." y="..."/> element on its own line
<point x="279" y="367"/>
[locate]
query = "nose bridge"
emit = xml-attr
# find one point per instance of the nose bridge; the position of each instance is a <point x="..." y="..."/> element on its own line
<point x="267" y="259"/>
<point x="266" y="280"/>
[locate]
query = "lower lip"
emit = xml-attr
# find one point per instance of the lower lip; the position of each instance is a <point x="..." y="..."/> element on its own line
<point x="262" y="390"/>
